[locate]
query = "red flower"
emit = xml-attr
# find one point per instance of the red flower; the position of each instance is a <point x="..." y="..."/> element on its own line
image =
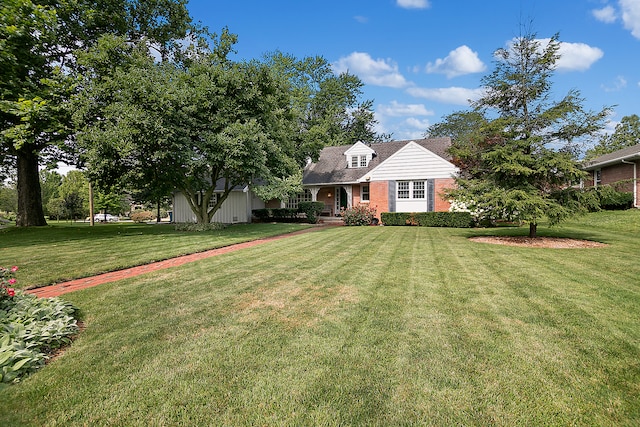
<point x="14" y="268"/>
<point x="11" y="292"/>
<point x="12" y="281"/>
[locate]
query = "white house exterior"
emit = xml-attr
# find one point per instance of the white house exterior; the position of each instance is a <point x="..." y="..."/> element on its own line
<point x="236" y="209"/>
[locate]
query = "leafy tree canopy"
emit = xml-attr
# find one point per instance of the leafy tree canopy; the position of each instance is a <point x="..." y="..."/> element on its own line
<point x="39" y="45"/>
<point x="517" y="148"/>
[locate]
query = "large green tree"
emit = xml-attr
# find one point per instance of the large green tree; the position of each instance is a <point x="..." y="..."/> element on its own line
<point x="524" y="167"/>
<point x="327" y="106"/>
<point x="197" y="124"/>
<point x="626" y="134"/>
<point x="39" y="41"/>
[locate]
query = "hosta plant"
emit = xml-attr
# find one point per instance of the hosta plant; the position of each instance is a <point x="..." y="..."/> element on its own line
<point x="31" y="328"/>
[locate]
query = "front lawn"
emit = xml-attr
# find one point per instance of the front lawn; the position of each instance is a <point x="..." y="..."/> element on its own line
<point x="65" y="251"/>
<point x="360" y="326"/>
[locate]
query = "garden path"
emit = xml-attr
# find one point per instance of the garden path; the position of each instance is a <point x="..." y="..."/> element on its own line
<point x="87" y="282"/>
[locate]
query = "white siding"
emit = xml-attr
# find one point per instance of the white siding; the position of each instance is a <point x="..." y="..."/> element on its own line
<point x="358" y="149"/>
<point x="416" y="205"/>
<point x="412" y="162"/>
<point x="235" y="209"/>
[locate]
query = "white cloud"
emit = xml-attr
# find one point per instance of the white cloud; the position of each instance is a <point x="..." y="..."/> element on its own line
<point x="577" y="56"/>
<point x="361" y="19"/>
<point x="619" y="84"/>
<point x="631" y="16"/>
<point x="606" y="14"/>
<point x="379" y="72"/>
<point x="573" y="56"/>
<point x="413" y="4"/>
<point x="460" y="61"/>
<point x="450" y="95"/>
<point x="395" y="109"/>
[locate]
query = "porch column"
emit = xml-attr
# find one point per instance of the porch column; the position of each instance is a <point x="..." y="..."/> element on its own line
<point x="349" y="190"/>
<point x="314" y="193"/>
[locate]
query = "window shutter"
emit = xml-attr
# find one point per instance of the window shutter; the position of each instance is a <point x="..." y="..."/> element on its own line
<point x="431" y="197"/>
<point x="392" y="195"/>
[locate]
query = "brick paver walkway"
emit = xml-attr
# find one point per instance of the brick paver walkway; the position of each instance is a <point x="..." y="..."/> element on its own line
<point x="87" y="282"/>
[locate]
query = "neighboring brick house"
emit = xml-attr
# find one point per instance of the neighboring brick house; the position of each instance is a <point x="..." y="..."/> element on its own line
<point x="618" y="169"/>
<point x="396" y="176"/>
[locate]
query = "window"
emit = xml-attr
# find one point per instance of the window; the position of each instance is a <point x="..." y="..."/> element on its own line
<point x="403" y="189"/>
<point x="418" y="189"/>
<point x="411" y="190"/>
<point x="597" y="178"/>
<point x="358" y="161"/>
<point x="300" y="197"/>
<point x="364" y="193"/>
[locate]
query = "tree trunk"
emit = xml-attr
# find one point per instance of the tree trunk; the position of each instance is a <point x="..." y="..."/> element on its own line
<point x="158" y="212"/>
<point x="533" y="230"/>
<point x="30" y="212"/>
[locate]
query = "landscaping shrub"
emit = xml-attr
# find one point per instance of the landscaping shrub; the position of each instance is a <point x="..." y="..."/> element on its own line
<point x="311" y="209"/>
<point x="142" y="216"/>
<point x="192" y="226"/>
<point x="358" y="215"/>
<point x="429" y="219"/>
<point x="31" y="328"/>
<point x="611" y="199"/>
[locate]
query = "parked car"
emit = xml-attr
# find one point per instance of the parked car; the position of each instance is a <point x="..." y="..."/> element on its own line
<point x="105" y="218"/>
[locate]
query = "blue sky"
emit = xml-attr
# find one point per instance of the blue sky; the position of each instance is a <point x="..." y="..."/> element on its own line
<point x="423" y="59"/>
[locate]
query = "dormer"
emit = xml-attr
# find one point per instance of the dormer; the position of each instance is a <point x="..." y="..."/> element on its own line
<point x="359" y="155"/>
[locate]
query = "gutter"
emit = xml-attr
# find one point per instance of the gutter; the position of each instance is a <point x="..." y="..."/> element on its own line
<point x="635" y="181"/>
<point x="612" y="161"/>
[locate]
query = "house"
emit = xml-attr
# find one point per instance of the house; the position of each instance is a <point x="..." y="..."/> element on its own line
<point x="236" y="209"/>
<point x="618" y="169"/>
<point x="396" y="176"/>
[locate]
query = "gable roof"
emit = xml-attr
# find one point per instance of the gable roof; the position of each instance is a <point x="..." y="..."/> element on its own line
<point x="331" y="166"/>
<point x="629" y="153"/>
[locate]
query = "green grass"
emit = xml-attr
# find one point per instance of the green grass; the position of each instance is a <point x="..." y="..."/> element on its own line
<point x="360" y="326"/>
<point x="65" y="251"/>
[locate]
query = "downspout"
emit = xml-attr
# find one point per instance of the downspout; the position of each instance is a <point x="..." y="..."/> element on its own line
<point x="635" y="182"/>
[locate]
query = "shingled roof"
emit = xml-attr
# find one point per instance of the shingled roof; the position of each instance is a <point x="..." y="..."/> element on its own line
<point x="629" y="153"/>
<point x="331" y="167"/>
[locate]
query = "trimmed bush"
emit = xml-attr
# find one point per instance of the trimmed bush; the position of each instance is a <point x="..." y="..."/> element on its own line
<point x="429" y="219"/>
<point x="311" y="210"/>
<point x="611" y="199"/>
<point x="142" y="216"/>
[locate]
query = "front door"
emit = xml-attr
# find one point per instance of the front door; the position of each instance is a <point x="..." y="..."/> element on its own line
<point x="341" y="199"/>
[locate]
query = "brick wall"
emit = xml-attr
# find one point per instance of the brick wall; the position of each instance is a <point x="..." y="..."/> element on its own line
<point x="620" y="172"/>
<point x="379" y="196"/>
<point x="442" y="204"/>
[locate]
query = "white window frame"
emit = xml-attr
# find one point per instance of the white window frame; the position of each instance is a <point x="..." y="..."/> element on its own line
<point x="363" y="161"/>
<point x="597" y="177"/>
<point x="411" y="190"/>
<point x="404" y="190"/>
<point x="365" y="196"/>
<point x="305" y="196"/>
<point x="354" y="161"/>
<point x="417" y="188"/>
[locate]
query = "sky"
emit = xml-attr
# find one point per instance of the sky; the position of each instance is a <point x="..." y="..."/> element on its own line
<point x="421" y="60"/>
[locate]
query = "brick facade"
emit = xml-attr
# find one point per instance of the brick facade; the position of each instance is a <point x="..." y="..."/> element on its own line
<point x="442" y="204"/>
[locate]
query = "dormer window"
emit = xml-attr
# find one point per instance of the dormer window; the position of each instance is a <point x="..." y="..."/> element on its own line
<point x="359" y="161"/>
<point x="359" y="155"/>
